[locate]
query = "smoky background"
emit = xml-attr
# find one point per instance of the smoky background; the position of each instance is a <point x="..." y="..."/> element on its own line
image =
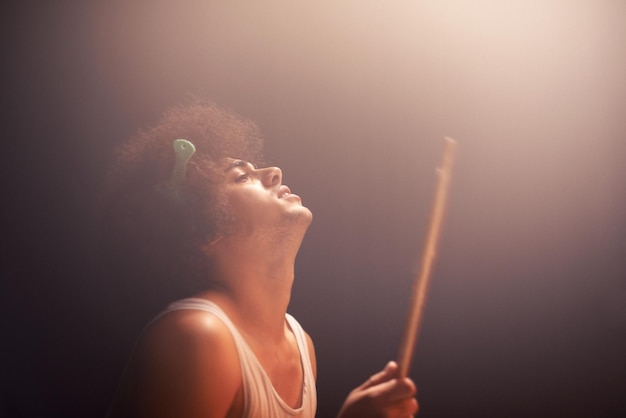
<point x="527" y="312"/>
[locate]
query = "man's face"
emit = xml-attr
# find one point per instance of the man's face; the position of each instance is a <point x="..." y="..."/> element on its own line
<point x="260" y="202"/>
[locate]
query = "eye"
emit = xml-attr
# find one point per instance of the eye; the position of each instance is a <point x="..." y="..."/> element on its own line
<point x="241" y="178"/>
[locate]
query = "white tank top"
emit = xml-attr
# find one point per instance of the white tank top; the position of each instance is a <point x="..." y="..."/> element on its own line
<point x="260" y="398"/>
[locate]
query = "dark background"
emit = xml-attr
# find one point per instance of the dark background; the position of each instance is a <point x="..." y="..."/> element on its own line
<point x="527" y="312"/>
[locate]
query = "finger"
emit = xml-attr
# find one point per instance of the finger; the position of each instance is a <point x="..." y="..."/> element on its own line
<point x="393" y="390"/>
<point x="394" y="398"/>
<point x="407" y="408"/>
<point x="403" y="407"/>
<point x="384" y="375"/>
<point x="402" y="389"/>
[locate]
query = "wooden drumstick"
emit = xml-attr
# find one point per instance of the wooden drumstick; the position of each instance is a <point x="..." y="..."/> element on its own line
<point x="422" y="279"/>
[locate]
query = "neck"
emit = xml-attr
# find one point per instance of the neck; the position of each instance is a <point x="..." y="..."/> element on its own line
<point x="253" y="284"/>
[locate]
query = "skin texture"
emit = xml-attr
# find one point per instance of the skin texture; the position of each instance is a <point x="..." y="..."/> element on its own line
<point x="186" y="365"/>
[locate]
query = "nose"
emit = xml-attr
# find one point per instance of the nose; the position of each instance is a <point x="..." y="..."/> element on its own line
<point x="272" y="176"/>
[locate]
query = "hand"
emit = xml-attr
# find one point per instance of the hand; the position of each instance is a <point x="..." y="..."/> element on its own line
<point x="383" y="395"/>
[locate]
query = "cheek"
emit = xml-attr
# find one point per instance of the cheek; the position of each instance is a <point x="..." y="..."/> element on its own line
<point x="237" y="204"/>
<point x="225" y="214"/>
<point x="241" y="209"/>
<point x="247" y="199"/>
<point x="250" y="208"/>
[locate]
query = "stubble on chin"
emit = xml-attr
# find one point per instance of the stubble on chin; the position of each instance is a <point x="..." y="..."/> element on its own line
<point x="293" y="228"/>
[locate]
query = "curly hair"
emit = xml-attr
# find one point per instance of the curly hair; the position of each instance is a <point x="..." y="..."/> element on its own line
<point x="150" y="233"/>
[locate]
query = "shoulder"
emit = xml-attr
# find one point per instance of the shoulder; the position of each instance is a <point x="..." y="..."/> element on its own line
<point x="184" y="327"/>
<point x="189" y="336"/>
<point x="186" y="361"/>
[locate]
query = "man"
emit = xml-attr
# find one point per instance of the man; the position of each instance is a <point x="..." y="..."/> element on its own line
<point x="205" y="216"/>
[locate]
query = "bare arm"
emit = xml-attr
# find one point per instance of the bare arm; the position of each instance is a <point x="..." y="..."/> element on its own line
<point x="185" y="366"/>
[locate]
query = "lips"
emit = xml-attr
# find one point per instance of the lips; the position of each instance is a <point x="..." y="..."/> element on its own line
<point x="283" y="192"/>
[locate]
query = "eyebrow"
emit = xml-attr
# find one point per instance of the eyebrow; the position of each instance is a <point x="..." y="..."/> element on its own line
<point x="239" y="163"/>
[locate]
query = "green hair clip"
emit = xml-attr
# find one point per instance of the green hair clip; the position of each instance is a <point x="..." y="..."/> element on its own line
<point x="184" y="150"/>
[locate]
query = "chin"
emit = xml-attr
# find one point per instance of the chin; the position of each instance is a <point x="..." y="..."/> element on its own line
<point x="308" y="215"/>
<point x="302" y="217"/>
